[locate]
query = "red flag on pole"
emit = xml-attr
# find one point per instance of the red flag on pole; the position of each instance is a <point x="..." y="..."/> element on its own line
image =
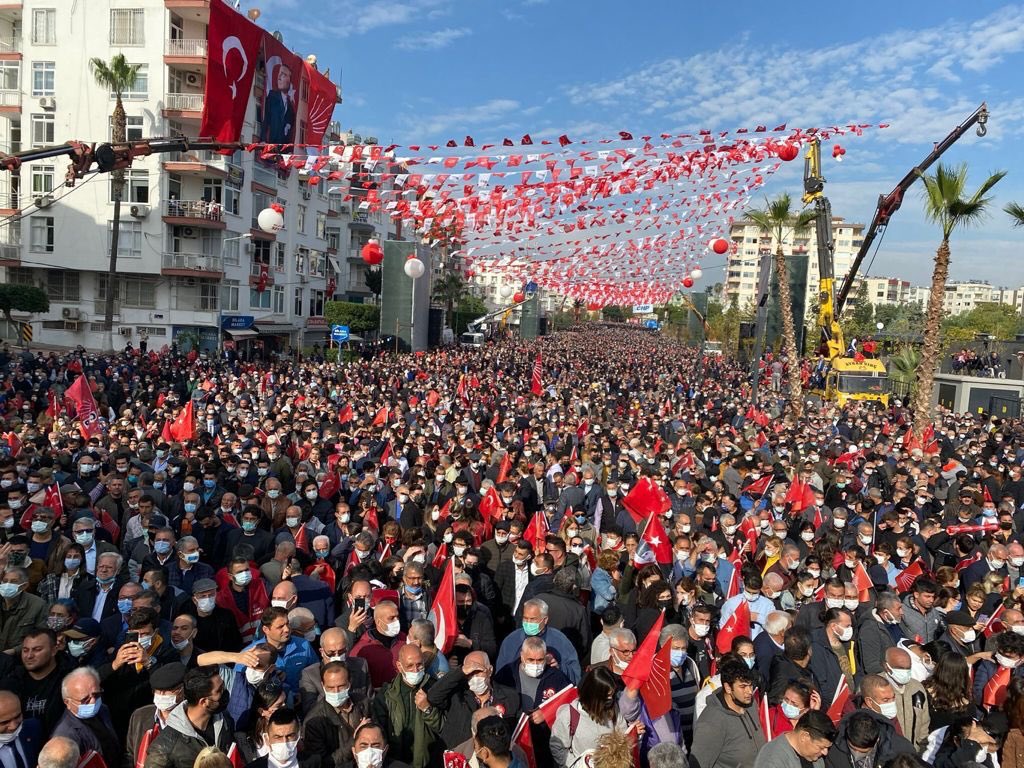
<point x="800" y="495"/>
<point x="522" y="737"/>
<point x="649" y="671"/>
<point x="862" y="581"/>
<point x="505" y="468"/>
<point x="442" y="613"/>
<point x="490" y="504"/>
<point x="346" y="415"/>
<point x="737" y="625"/>
<point x="640" y="668"/>
<point x="994" y="623"/>
<point x="184" y="426"/>
<point x="905" y="579"/>
<point x="381" y="418"/>
<point x="994" y="693"/>
<point x="537" y="530"/>
<point x="535" y="383"/>
<point x="85" y="406"/>
<point x="550" y="706"/>
<point x="842" y="695"/>
<point x="764" y="714"/>
<point x="760" y="486"/>
<point x="646" y="498"/>
<point x="54" y="500"/>
<point x="658" y="540"/>
<point x="582" y="429"/>
<point x="440" y="556"/>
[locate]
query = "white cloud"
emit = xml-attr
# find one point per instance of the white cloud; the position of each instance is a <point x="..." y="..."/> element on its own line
<point x="485" y="115"/>
<point x="433" y="41"/>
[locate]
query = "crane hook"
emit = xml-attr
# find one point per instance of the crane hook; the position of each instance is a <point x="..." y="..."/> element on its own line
<point x="982" y="119"/>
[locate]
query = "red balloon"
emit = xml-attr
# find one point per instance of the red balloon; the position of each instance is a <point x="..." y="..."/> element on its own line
<point x="688" y="282"/>
<point x="518" y="297"/>
<point x="788" y="151"/>
<point x="593" y="306"/>
<point x="719" y="245"/>
<point x="372" y="254"/>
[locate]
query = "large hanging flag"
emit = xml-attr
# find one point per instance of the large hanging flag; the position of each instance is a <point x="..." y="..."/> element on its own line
<point x="184" y="426"/>
<point x="442" y="613"/>
<point x="233" y="46"/>
<point x="85" y="406"/>
<point x="657" y="539"/>
<point x="536" y="387"/>
<point x="323" y="95"/>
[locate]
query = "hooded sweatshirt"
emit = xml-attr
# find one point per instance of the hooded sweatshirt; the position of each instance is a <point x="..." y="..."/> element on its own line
<point x="723" y="738"/>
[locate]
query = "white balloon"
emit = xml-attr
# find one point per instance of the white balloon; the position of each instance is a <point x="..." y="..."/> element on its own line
<point x="270" y="220"/>
<point x="414" y="268"/>
<point x="505" y="291"/>
<point x="696" y="273"/>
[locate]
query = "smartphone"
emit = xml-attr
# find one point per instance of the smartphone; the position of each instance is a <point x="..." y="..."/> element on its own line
<point x="131" y="637"/>
<point x="982" y="618"/>
<point x="359" y="604"/>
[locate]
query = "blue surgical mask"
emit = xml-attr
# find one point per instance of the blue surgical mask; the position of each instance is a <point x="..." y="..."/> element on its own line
<point x="190" y="507"/>
<point x="789" y="711"/>
<point x="192" y="557"/>
<point x="321" y="554"/>
<point x="124" y="606"/>
<point x="77" y="648"/>
<point x="71" y="563"/>
<point x="87" y="711"/>
<point x="146" y="586"/>
<point x="161" y="547"/>
<point x="133" y="479"/>
<point x="750" y="661"/>
<point x="158" y="485"/>
<point x="678" y="657"/>
<point x="249" y="526"/>
<point x="209" y="483"/>
<point x="105" y="580"/>
<point x="414" y="591"/>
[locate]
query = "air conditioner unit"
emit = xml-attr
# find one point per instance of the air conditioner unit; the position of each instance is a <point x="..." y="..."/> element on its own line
<point x="139" y="211"/>
<point x="47" y="102"/>
<point x="344" y="209"/>
<point x="194" y="79"/>
<point x="70" y="313"/>
<point x="189" y="232"/>
<point x="306" y="193"/>
<point x="43" y="201"/>
<point x="125" y="330"/>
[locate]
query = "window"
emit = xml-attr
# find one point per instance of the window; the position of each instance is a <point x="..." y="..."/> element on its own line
<point x="42" y="130"/>
<point x="229" y="296"/>
<point x="129" y="241"/>
<point x="44" y="26"/>
<point x="278" y="299"/>
<point x="136" y="186"/>
<point x="300" y="223"/>
<point x="140" y="88"/>
<point x="132" y="129"/>
<point x="19" y="276"/>
<point x="279" y="256"/>
<point x="232" y="249"/>
<point x="261" y="252"/>
<point x="297" y="306"/>
<point x="213" y="190"/>
<point x="41" y="234"/>
<point x="316" y="303"/>
<point x="321" y="225"/>
<point x="193" y="294"/>
<point x="137" y="292"/>
<point x="43" y="78"/>
<point x="10" y="76"/>
<point x="42" y="179"/>
<point x="127" y="26"/>
<point x="301" y="254"/>
<point x="232" y="197"/>
<point x="259" y="300"/>
<point x="62" y="285"/>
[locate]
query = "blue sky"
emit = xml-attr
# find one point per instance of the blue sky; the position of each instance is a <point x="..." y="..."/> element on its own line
<point x="425" y="71"/>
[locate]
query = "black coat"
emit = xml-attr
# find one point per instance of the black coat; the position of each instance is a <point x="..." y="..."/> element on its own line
<point x="538" y="585"/>
<point x="889" y="744"/>
<point x="568" y="615"/>
<point x="452" y="695"/>
<point x="478" y="627"/>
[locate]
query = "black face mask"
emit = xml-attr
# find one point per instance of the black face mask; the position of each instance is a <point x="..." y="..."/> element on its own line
<point x="463" y="611"/>
<point x="667" y="604"/>
<point x="1006" y="526"/>
<point x="225" y="699"/>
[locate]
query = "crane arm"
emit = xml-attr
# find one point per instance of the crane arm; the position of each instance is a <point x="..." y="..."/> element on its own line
<point x="889" y="204"/>
<point x="814" y="193"/>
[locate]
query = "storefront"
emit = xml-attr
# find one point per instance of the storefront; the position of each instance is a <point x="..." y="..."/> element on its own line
<point x="189" y="337"/>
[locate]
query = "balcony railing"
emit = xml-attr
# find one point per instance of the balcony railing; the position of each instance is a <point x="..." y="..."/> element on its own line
<point x="201" y="262"/>
<point x="205" y="156"/>
<point x="184" y="102"/>
<point x="10" y="251"/>
<point x="10" y="98"/>
<point x="10" y="45"/>
<point x="180" y="47"/>
<point x="194" y="209"/>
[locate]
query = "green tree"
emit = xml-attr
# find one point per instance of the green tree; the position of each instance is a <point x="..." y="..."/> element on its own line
<point x="22" y="298"/>
<point x="469" y="308"/>
<point x="449" y="290"/>
<point x="373" y="279"/>
<point x="903" y="367"/>
<point x="1016" y="212"/>
<point x="360" y="318"/>
<point x="859" y="322"/>
<point x="116" y="78"/>
<point x="778" y="217"/>
<point x="614" y="314"/>
<point x="1000" y="320"/>
<point x="947" y="205"/>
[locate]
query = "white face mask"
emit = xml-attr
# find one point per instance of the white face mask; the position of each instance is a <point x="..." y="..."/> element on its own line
<point x="392" y="629"/>
<point x="284" y="752"/>
<point x="844" y="633"/>
<point x="533" y="670"/>
<point x="165" y="701"/>
<point x="851" y="605"/>
<point x="807" y="535"/>
<point x="479" y="684"/>
<point x="1003" y="661"/>
<point x="254" y="676"/>
<point x="9" y="738"/>
<point x="701" y="630"/>
<point x="834" y="602"/>
<point x="969" y="636"/>
<point x="371" y="757"/>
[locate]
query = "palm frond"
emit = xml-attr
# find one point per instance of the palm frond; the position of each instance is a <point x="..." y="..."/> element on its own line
<point x="1016" y="212"/>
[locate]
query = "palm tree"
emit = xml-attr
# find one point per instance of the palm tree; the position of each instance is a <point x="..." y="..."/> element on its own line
<point x="1016" y="212"/>
<point x="944" y="204"/>
<point x="903" y="369"/>
<point x="450" y="289"/>
<point x="577" y="309"/>
<point x="778" y="217"/>
<point x="116" y="77"/>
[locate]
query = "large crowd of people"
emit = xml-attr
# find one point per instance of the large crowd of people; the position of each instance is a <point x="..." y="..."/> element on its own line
<point x="269" y="583"/>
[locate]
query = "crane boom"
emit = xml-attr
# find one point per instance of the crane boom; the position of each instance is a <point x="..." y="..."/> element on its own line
<point x="889" y="204"/>
<point x="814" y="192"/>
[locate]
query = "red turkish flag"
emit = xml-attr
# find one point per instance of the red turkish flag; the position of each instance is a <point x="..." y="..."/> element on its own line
<point x="381" y="418"/>
<point x="490" y="504"/>
<point x="994" y="623"/>
<point x="800" y="495"/>
<point x="440" y="556"/>
<point x="330" y="486"/>
<point x="235" y="756"/>
<point x="184" y="426"/>
<point x="994" y="693"/>
<point x="53" y="499"/>
<point x="839" y="700"/>
<point x="433" y="398"/>
<point x="505" y="468"/>
<point x="582" y="429"/>
<point x="905" y="579"/>
<point x="234" y="50"/>
<point x="550" y="706"/>
<point x="764" y="715"/>
<point x="737" y="625"/>
<point x="760" y="486"/>
<point x="92" y="759"/>
<point x="323" y="95"/>
<point x="646" y="498"/>
<point x="862" y="581"/>
<point x="147" y="739"/>
<point x="537" y="530"/>
<point x="165" y="433"/>
<point x="346" y="415"/>
<point x="657" y="539"/>
<point x="451" y="759"/>
<point x="522" y="738"/>
<point x="442" y="613"/>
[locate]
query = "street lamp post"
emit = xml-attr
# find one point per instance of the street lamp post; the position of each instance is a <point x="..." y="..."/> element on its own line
<point x="220" y="298"/>
<point x="414" y="269"/>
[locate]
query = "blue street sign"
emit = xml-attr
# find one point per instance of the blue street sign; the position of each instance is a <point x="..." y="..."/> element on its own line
<point x="652" y="324"/>
<point x="339" y="334"/>
<point x="237" y="322"/>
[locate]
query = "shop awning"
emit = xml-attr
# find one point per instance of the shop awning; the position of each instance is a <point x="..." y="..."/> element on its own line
<point x="243" y="334"/>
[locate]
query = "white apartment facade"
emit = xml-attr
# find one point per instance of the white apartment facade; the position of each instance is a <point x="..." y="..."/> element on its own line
<point x="190" y="251"/>
<point x="962" y="297"/>
<point x="882" y="291"/>
<point x="491" y="285"/>
<point x="750" y="242"/>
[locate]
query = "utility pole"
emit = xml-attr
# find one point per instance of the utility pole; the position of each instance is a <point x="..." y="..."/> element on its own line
<point x="760" y="329"/>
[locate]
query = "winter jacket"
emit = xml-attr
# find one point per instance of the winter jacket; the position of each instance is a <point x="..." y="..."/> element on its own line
<point x="872" y="641"/>
<point x="889" y="744"/>
<point x="413" y="735"/>
<point x="723" y="738"/>
<point x="178" y="744"/>
<point x="452" y="696"/>
<point x="328" y="734"/>
<point x="28" y="613"/>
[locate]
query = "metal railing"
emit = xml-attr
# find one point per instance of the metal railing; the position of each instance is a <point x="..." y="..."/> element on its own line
<point x="198" y="261"/>
<point x="194" y="209"/>
<point x="10" y="98"/>
<point x="10" y="251"/>
<point x="179" y="47"/>
<point x="205" y="156"/>
<point x="10" y="45"/>
<point x="185" y="102"/>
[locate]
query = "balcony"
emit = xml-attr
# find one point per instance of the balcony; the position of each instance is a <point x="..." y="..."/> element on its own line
<point x="194" y="213"/>
<point x="254" y="273"/>
<point x="10" y="100"/>
<point x="204" y="162"/>
<point x="200" y="8"/>
<point x="192" y="265"/>
<point x="10" y="48"/>
<point x="10" y="254"/>
<point x="186" y="105"/>
<point x="178" y="51"/>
